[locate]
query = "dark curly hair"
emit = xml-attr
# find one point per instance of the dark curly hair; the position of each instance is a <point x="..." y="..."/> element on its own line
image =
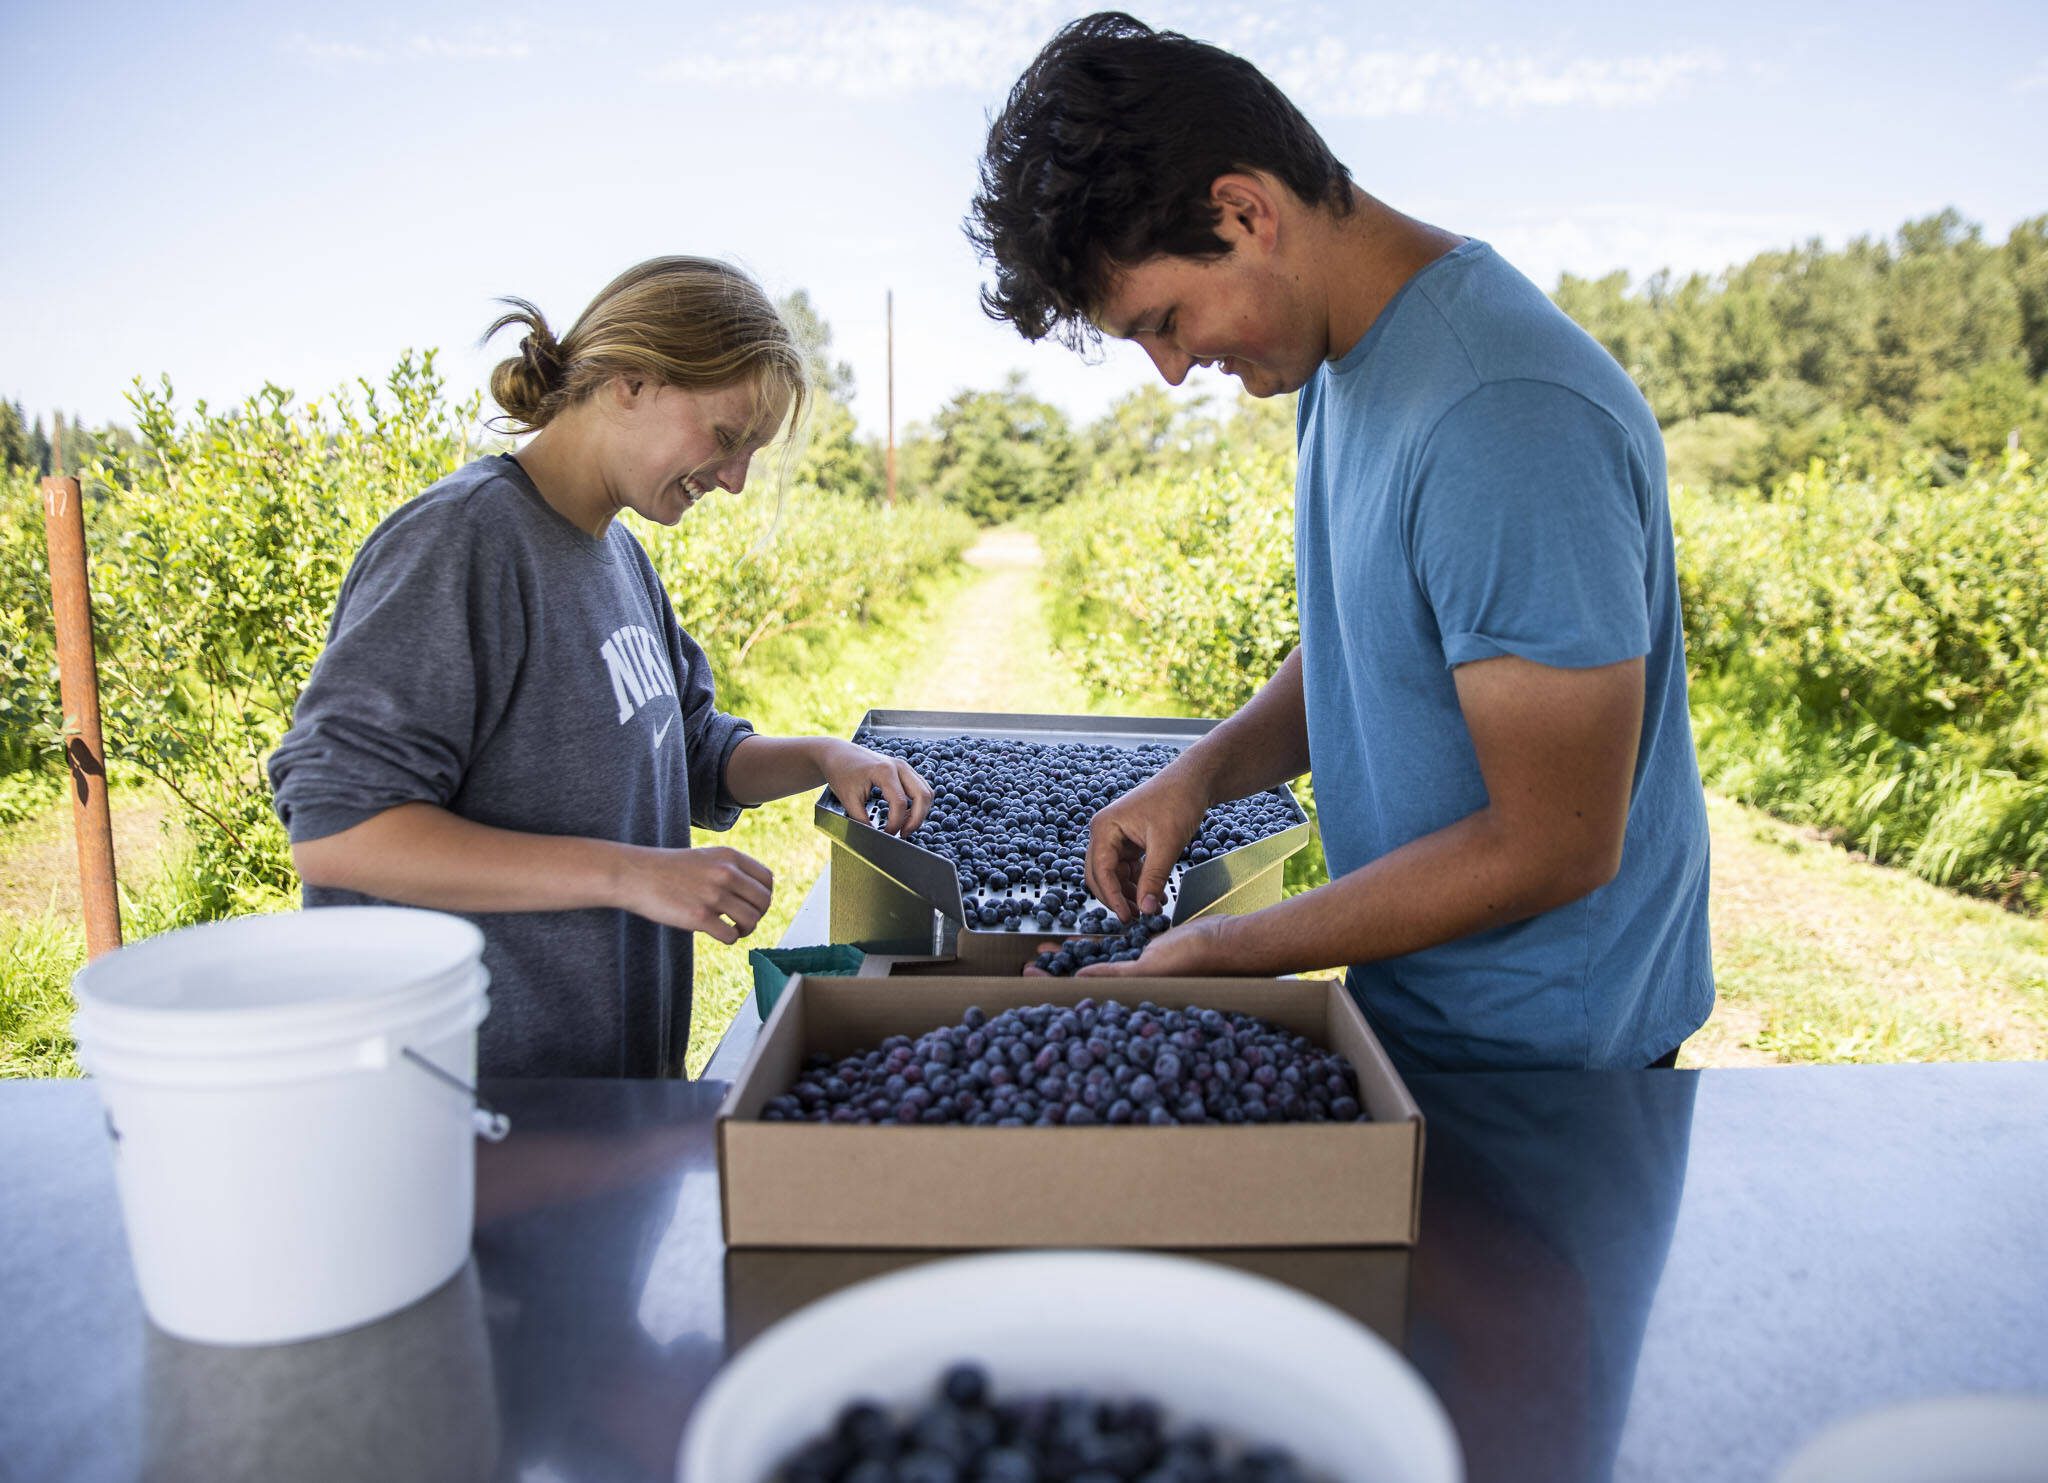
<point x="1104" y="154"/>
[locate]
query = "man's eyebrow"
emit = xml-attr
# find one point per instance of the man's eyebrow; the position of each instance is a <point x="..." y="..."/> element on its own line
<point x="1150" y="316"/>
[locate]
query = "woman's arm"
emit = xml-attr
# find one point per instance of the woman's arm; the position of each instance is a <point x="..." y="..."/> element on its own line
<point x="419" y="854"/>
<point x="762" y="768"/>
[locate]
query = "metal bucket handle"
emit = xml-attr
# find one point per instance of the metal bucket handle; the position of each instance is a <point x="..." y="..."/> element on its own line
<point x="491" y="1125"/>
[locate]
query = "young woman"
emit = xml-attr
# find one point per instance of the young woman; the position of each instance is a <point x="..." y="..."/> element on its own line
<point x="507" y="722"/>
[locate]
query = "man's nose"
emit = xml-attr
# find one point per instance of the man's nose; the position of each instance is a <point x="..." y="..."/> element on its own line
<point x="1173" y="366"/>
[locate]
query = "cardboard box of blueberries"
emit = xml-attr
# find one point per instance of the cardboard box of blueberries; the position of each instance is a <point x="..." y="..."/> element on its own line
<point x="966" y="1112"/>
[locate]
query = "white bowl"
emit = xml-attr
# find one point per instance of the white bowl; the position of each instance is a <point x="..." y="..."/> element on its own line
<point x="1256" y="1360"/>
<point x="1946" y="1439"/>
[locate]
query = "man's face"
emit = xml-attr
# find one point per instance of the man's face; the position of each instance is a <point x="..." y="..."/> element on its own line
<point x="1237" y="313"/>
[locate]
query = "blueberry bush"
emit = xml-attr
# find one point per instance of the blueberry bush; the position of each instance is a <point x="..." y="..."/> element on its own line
<point x="219" y="540"/>
<point x="1866" y="653"/>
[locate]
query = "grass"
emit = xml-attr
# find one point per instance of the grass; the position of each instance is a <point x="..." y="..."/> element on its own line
<point x="1821" y="956"/>
<point x="38" y="955"/>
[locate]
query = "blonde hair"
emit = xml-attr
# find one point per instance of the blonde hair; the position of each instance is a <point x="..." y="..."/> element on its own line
<point x="689" y="322"/>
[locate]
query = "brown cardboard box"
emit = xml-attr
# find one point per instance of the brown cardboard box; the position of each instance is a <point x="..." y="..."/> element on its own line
<point x="1266" y="1185"/>
<point x="763" y="1287"/>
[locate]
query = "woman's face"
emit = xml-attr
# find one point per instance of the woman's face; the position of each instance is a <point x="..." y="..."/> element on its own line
<point x="674" y="445"/>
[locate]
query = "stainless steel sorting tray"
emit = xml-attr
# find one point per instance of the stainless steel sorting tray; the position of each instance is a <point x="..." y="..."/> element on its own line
<point x="894" y="895"/>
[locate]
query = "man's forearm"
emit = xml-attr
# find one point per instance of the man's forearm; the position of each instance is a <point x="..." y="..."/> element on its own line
<point x="1263" y="745"/>
<point x="1465" y="878"/>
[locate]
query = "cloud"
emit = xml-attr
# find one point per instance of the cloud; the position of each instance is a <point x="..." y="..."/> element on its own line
<point x="873" y="51"/>
<point x="1641" y="239"/>
<point x="1331" y="77"/>
<point x="419" y="47"/>
<point x="890" y="49"/>
<point x="2033" y="82"/>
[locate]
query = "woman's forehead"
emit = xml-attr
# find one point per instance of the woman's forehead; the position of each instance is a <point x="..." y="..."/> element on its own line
<point x="744" y="402"/>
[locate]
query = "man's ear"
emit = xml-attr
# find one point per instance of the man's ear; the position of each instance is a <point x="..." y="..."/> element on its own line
<point x="1247" y="209"/>
<point x="625" y="390"/>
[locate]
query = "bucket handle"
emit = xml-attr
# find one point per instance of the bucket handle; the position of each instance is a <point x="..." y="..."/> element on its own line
<point x="491" y="1125"/>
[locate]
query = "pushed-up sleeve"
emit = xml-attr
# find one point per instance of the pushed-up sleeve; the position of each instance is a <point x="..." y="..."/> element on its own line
<point x="419" y="666"/>
<point x="1527" y="529"/>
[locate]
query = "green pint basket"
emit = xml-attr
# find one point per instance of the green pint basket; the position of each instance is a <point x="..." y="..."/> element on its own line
<point x="775" y="966"/>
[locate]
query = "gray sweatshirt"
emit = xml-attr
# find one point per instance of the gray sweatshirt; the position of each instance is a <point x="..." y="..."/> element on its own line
<point x="489" y="657"/>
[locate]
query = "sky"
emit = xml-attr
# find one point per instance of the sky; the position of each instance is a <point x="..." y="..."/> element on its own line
<point x="229" y="194"/>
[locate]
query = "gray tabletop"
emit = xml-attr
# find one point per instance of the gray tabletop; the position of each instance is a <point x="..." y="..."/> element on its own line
<point x="1669" y="1275"/>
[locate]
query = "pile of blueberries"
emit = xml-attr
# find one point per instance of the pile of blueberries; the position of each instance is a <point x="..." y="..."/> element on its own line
<point x="1126" y="946"/>
<point x="1049" y="1065"/>
<point x="965" y="1435"/>
<point x="1012" y="816"/>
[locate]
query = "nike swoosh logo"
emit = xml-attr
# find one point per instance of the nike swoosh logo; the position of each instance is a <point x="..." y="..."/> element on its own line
<point x="662" y="731"/>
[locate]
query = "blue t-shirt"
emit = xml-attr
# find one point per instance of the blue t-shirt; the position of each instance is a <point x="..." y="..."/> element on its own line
<point x="1478" y="478"/>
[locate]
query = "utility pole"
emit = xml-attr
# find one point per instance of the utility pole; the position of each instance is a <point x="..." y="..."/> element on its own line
<point x="890" y="303"/>
<point x="78" y="678"/>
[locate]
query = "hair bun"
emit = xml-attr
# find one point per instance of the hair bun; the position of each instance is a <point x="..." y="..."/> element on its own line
<point x="544" y="356"/>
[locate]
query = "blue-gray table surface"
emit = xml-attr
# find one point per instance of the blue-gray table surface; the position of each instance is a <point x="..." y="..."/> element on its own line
<point x="1668" y="1275"/>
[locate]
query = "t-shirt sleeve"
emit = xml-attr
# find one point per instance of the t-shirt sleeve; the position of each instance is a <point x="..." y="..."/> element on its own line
<point x="1527" y="532"/>
<point x="419" y="666"/>
<point x="709" y="734"/>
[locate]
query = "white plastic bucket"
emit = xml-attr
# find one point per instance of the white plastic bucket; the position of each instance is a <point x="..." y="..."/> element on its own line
<point x="286" y="1170"/>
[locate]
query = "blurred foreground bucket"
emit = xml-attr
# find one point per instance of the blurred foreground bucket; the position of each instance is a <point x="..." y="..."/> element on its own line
<point x="289" y="1161"/>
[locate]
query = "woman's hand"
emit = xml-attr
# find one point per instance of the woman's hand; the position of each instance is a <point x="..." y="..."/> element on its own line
<point x="850" y="771"/>
<point x="714" y="890"/>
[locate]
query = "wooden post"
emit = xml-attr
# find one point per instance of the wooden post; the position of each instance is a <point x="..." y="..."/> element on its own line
<point x="79" y="683"/>
<point x="890" y="301"/>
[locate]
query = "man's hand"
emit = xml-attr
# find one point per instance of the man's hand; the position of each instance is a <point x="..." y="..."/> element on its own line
<point x="1133" y="842"/>
<point x="1196" y="950"/>
<point x="849" y="771"/>
<point x="713" y="890"/>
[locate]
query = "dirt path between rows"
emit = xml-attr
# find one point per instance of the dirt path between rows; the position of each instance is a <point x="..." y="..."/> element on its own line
<point x="995" y="652"/>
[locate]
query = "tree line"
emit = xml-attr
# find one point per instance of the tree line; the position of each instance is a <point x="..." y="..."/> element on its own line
<point x="1929" y="343"/>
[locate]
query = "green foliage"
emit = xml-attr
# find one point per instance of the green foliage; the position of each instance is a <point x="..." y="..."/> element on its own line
<point x="16" y="451"/>
<point x="740" y="572"/>
<point x="833" y="457"/>
<point x="999" y="454"/>
<point x="1179" y="585"/>
<point x="1871" y="655"/>
<point x="1933" y="339"/>
<point x="1179" y="588"/>
<point x="223" y="540"/>
<point x="1867" y="655"/>
<point x="28" y="661"/>
<point x="215" y="570"/>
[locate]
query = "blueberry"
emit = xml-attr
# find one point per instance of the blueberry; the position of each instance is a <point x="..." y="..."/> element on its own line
<point x="964" y="1384"/>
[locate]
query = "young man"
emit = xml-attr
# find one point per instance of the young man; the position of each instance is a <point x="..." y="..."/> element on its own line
<point x="1490" y="686"/>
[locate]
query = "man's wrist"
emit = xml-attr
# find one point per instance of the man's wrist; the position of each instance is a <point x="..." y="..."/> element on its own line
<point x="1194" y="771"/>
<point x="1226" y="951"/>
